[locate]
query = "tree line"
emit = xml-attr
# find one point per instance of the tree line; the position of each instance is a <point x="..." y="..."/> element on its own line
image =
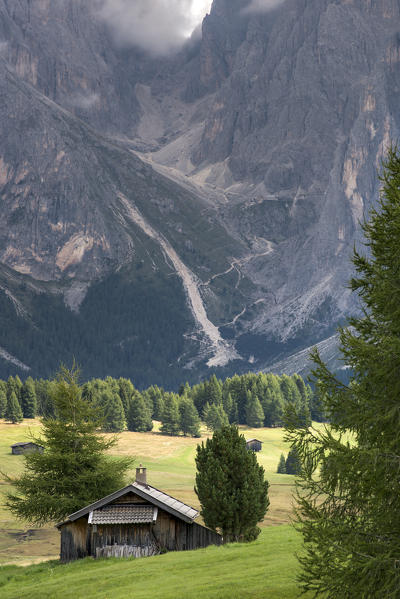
<point x="256" y="400"/>
<point x="75" y="469"/>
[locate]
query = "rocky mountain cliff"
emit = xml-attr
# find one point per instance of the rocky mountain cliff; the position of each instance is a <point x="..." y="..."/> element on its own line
<point x="225" y="183"/>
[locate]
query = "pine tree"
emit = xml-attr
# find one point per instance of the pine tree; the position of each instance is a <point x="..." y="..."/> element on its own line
<point x="43" y="390"/>
<point x="302" y="387"/>
<point x="230" y="486"/>
<point x="113" y="412"/>
<point x="156" y="395"/>
<point x="199" y="396"/>
<point x="13" y="410"/>
<point x="290" y="390"/>
<point x="28" y="399"/>
<point x="254" y="411"/>
<point x="14" y="385"/>
<point x="304" y="415"/>
<point x="316" y="407"/>
<point x="125" y="391"/>
<point x="3" y="403"/>
<point x="227" y="403"/>
<point x="281" y="465"/>
<point x="349" y="501"/>
<point x="190" y="421"/>
<point x="139" y="417"/>
<point x="184" y="389"/>
<point x="170" y="421"/>
<point x="272" y="401"/>
<point x="215" y="417"/>
<point x="293" y="464"/>
<point x="74" y="469"/>
<point x="237" y="388"/>
<point x="214" y="391"/>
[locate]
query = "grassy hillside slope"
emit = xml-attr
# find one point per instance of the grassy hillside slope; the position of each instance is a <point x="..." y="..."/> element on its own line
<point x="265" y="568"/>
<point x="171" y="467"/>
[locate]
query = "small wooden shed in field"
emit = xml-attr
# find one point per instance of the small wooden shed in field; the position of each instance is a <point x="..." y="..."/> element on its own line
<point x="254" y="445"/>
<point x="25" y="447"/>
<point x="136" y="521"/>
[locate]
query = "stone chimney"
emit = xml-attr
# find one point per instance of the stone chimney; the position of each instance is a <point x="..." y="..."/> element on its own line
<point x="141" y="476"/>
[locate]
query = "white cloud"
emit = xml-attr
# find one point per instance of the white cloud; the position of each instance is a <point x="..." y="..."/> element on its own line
<point x="257" y="6"/>
<point x="157" y="26"/>
<point x="82" y="100"/>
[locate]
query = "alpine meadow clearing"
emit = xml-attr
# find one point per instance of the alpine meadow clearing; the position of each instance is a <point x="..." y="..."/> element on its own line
<point x="264" y="568"/>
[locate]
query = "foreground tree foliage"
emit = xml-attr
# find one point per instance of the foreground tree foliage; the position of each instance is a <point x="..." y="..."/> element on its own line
<point x="74" y="469"/>
<point x="230" y="486"/>
<point x="349" y="494"/>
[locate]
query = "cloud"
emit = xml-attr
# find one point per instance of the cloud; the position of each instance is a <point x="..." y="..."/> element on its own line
<point x="157" y="26"/>
<point x="84" y="101"/>
<point x="257" y="6"/>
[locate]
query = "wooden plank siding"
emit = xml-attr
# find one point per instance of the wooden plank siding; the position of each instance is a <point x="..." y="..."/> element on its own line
<point x="79" y="539"/>
<point x="75" y="540"/>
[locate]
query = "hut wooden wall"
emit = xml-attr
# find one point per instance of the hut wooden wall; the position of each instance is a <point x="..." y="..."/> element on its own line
<point x="79" y="539"/>
<point x="114" y="539"/>
<point x="75" y="540"/>
<point x="175" y="535"/>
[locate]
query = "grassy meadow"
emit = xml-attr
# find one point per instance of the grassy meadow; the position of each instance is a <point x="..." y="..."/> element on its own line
<point x="265" y="568"/>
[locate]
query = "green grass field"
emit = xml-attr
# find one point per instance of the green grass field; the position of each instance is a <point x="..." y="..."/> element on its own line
<point x="265" y="568"/>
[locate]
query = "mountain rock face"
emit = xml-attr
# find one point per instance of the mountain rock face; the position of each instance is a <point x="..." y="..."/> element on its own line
<point x="229" y="180"/>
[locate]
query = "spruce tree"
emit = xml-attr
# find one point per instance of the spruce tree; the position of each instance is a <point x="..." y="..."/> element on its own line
<point x="215" y="417"/>
<point x="293" y="465"/>
<point x="190" y="421"/>
<point x="170" y="420"/>
<point x="227" y="403"/>
<point x="125" y="391"/>
<point x="290" y="390"/>
<point x="14" y="385"/>
<point x="3" y="402"/>
<point x="74" y="469"/>
<point x="139" y="417"/>
<point x="156" y="396"/>
<point x="28" y="399"/>
<point x="281" y="465"/>
<point x="254" y="411"/>
<point x="45" y="405"/>
<point x="272" y="401"/>
<point x="302" y="387"/>
<point x="349" y="499"/>
<point x="113" y="412"/>
<point x="13" y="410"/>
<point x="230" y="486"/>
<point x="214" y="391"/>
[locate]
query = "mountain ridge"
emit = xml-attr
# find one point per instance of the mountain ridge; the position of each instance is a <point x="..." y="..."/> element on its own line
<point x="253" y="153"/>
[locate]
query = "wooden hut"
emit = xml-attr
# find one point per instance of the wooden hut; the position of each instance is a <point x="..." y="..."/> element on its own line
<point x="136" y="521"/>
<point x="254" y="445"/>
<point x="25" y="447"/>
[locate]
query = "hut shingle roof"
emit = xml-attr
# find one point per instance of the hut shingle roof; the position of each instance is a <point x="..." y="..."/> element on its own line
<point x="124" y="514"/>
<point x="155" y="496"/>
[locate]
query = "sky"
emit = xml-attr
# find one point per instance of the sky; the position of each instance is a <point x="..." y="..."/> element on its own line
<point x="199" y="9"/>
<point x="159" y="27"/>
